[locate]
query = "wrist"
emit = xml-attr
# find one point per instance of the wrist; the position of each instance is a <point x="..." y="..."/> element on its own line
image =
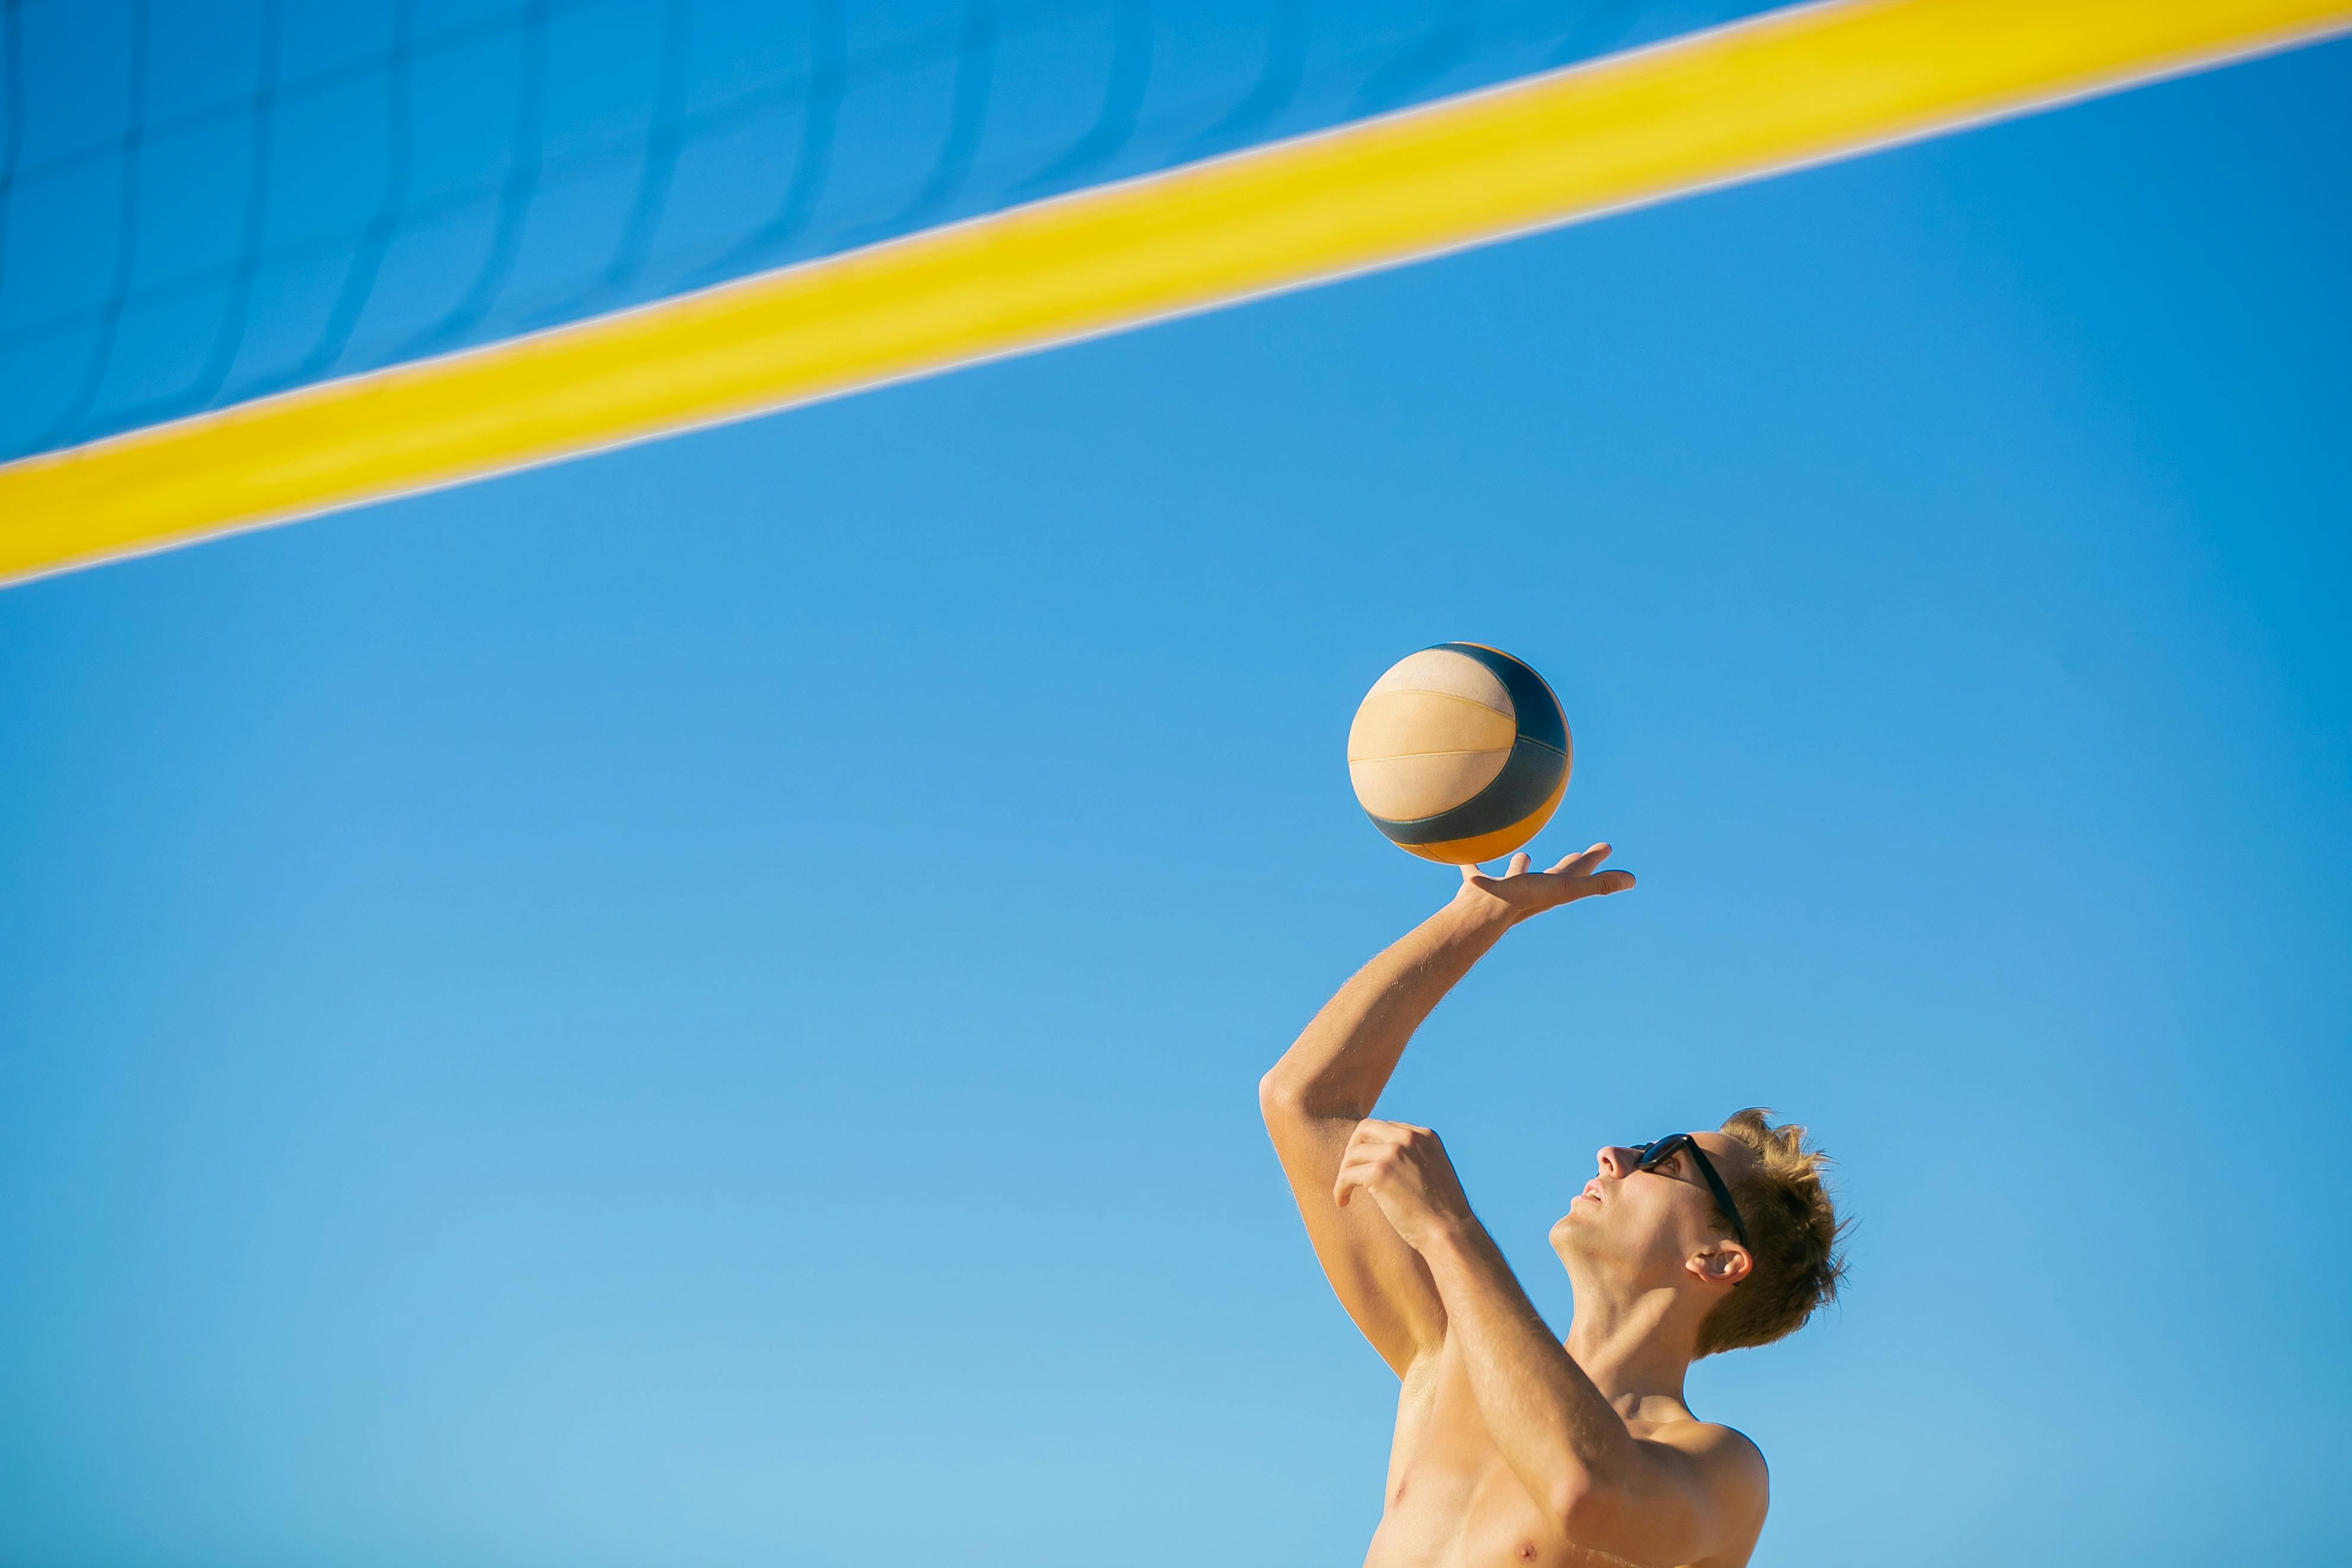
<point x="1476" y="912"/>
<point x="1451" y="1240"/>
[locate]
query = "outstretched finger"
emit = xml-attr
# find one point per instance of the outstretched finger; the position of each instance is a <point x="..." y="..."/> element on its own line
<point x="1582" y="864"/>
<point x="1519" y="862"/>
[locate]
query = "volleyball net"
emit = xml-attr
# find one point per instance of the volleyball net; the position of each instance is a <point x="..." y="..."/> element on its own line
<point x="263" y="259"/>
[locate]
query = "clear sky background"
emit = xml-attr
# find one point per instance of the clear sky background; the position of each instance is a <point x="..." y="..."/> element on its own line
<point x="702" y="1005"/>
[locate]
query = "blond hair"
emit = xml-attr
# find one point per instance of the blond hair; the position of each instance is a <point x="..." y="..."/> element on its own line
<point x="1798" y="1252"/>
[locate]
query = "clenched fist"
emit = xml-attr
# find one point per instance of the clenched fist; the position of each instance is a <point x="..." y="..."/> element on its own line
<point x="1406" y="1171"/>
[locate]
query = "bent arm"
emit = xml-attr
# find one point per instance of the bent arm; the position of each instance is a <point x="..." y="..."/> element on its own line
<point x="1643" y="1500"/>
<point x="1329" y="1081"/>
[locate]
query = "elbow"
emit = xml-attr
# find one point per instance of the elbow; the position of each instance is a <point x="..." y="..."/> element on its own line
<point x="1600" y="1517"/>
<point x="1285" y="1103"/>
<point x="1288" y="1100"/>
<point x="1278" y="1101"/>
<point x="1587" y="1509"/>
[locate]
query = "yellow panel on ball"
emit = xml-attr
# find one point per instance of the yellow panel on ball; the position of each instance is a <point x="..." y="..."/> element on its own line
<point x="1459" y="753"/>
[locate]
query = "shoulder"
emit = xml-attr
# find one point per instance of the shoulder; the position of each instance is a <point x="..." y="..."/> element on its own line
<point x="1734" y="1466"/>
<point x="1729" y="1488"/>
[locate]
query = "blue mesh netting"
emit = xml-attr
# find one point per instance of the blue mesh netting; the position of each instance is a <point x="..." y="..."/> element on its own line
<point x="207" y="201"/>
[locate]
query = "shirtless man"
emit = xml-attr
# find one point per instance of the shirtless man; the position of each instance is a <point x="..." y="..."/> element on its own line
<point x="1511" y="1447"/>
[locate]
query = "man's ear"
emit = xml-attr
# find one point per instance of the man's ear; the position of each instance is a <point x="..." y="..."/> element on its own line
<point x="1725" y="1263"/>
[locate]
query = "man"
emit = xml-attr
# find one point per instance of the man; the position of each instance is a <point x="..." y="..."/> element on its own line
<point x="1511" y="1447"/>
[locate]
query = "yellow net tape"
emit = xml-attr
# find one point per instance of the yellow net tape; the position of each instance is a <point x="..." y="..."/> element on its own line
<point x="1779" y="91"/>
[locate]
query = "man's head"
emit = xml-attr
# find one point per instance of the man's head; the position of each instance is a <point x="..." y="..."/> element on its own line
<point x="1651" y="1218"/>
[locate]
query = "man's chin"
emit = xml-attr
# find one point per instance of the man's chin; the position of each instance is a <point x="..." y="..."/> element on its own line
<point x="1582" y="1232"/>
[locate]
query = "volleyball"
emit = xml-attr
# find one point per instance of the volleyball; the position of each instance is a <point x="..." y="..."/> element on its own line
<point x="1459" y="753"/>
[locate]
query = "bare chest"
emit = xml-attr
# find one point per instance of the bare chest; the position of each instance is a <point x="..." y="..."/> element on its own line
<point x="1452" y="1500"/>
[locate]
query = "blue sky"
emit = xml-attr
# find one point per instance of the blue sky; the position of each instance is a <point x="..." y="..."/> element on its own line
<point x="702" y="1005"/>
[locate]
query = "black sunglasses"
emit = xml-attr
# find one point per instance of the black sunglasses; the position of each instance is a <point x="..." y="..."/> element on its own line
<point x="1657" y="1154"/>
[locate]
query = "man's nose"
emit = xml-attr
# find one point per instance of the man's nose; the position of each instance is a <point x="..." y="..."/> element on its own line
<point x="1616" y="1161"/>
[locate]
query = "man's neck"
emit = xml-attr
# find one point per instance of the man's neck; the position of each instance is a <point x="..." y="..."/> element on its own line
<point x="1634" y="1345"/>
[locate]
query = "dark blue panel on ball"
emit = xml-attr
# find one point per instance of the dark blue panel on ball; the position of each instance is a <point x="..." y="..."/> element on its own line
<point x="1539" y="710"/>
<point x="1529" y="776"/>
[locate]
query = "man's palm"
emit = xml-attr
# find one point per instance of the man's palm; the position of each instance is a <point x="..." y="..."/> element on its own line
<point x="1531" y="892"/>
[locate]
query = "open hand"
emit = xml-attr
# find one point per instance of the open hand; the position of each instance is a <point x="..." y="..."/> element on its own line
<point x="1519" y="893"/>
<point x="1407" y="1171"/>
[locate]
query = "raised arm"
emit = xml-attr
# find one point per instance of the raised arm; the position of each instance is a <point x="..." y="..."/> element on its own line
<point x="1330" y="1080"/>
